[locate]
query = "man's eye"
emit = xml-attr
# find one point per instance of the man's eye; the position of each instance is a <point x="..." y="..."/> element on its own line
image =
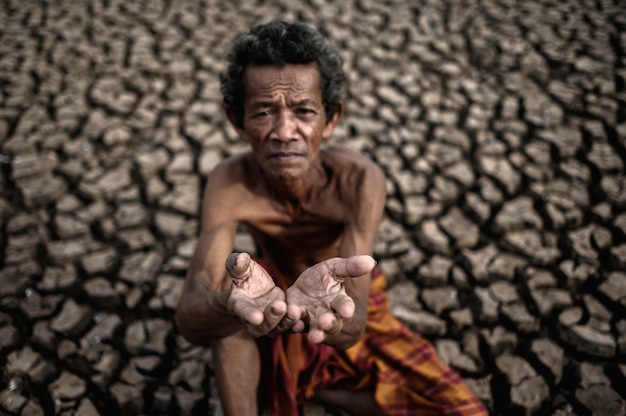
<point x="305" y="111"/>
<point x="263" y="113"/>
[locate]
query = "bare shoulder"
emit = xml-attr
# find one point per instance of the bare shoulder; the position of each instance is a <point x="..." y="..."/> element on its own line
<point x="357" y="172"/>
<point x="361" y="186"/>
<point x="232" y="170"/>
<point x="346" y="160"/>
<point x="230" y="185"/>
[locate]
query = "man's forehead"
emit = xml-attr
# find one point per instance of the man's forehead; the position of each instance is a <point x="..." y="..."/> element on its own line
<point x="264" y="76"/>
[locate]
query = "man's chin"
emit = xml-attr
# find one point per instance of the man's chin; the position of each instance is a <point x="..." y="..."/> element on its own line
<point x="285" y="176"/>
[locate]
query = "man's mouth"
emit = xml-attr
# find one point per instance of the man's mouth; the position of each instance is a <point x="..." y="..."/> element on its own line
<point x="284" y="156"/>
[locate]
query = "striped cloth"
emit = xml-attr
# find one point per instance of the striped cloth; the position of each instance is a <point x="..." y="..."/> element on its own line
<point x="399" y="366"/>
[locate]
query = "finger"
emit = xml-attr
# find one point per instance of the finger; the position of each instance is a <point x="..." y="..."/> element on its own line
<point x="354" y="266"/>
<point x="299" y="326"/>
<point x="294" y="312"/>
<point x="292" y="316"/>
<point x="268" y="319"/>
<point x="343" y="306"/>
<point x="329" y="323"/>
<point x="316" y="335"/>
<point x="274" y="313"/>
<point x="238" y="266"/>
<point x="251" y="315"/>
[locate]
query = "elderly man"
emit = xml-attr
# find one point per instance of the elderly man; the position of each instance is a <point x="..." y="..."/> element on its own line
<point x="306" y="320"/>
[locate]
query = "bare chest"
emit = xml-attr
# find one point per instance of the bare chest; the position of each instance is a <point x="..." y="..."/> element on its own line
<point x="316" y="227"/>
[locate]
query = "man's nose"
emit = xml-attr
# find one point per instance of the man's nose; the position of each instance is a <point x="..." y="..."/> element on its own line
<point x="284" y="126"/>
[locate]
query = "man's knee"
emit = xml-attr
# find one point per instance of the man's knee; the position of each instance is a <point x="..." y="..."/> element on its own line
<point x="237" y="366"/>
<point x="237" y="356"/>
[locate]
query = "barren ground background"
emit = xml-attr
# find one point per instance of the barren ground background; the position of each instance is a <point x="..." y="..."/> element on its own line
<point x="500" y="125"/>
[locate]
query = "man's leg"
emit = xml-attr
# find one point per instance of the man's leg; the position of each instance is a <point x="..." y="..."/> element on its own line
<point x="360" y="403"/>
<point x="237" y="367"/>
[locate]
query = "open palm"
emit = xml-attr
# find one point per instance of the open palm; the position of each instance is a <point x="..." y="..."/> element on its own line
<point x="320" y="295"/>
<point x="254" y="298"/>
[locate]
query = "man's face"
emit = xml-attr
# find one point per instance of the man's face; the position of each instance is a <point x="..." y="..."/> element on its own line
<point x="284" y="118"/>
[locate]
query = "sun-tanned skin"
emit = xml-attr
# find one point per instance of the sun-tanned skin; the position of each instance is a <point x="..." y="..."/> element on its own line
<point x="313" y="213"/>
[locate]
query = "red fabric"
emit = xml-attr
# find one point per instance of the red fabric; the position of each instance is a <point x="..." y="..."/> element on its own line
<point x="400" y="367"/>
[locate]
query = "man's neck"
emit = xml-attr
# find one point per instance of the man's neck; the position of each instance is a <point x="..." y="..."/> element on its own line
<point x="296" y="192"/>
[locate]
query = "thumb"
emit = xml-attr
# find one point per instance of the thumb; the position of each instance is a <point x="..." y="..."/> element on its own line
<point x="238" y="267"/>
<point x="343" y="306"/>
<point x="353" y="266"/>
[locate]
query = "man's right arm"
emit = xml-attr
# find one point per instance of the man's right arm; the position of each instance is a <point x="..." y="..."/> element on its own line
<point x="211" y="306"/>
<point x="202" y="314"/>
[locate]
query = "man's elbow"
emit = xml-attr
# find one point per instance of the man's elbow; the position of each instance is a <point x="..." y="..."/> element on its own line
<point x="179" y="321"/>
<point x="347" y="339"/>
<point x="185" y="329"/>
<point x="344" y="344"/>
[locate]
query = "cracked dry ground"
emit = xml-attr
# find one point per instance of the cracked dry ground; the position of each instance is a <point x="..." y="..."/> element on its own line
<point x="500" y="125"/>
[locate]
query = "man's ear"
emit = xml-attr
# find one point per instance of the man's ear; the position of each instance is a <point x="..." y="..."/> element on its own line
<point x="231" y="114"/>
<point x="332" y="123"/>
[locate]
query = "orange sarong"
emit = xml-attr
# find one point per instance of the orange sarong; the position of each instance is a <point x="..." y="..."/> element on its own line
<point x="399" y="366"/>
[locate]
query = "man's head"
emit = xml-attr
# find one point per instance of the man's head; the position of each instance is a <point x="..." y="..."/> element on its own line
<point x="279" y="43"/>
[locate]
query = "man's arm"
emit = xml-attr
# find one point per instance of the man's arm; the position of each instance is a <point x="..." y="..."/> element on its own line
<point x="202" y="315"/>
<point x="211" y="307"/>
<point x="333" y="295"/>
<point x="358" y="238"/>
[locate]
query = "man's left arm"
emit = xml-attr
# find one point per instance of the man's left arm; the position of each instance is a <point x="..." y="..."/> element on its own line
<point x="366" y="211"/>
<point x="332" y="296"/>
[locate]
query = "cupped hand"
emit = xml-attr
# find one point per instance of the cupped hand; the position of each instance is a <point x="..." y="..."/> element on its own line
<point x="319" y="297"/>
<point x="255" y="299"/>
